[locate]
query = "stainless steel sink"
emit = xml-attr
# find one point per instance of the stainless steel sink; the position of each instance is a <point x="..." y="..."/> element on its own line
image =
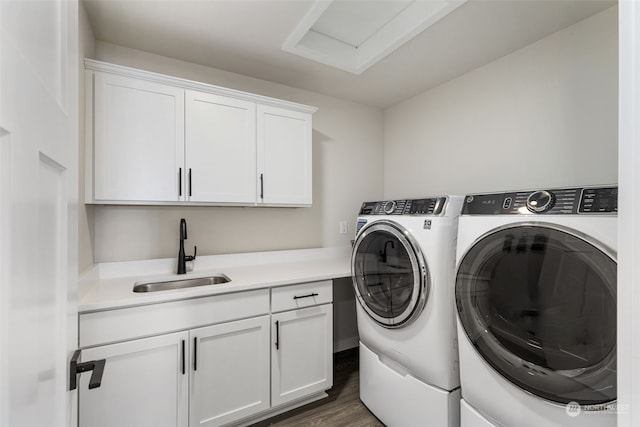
<point x="179" y="284"/>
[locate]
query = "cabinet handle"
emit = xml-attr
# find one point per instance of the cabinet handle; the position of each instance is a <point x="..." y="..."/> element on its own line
<point x="195" y="353"/>
<point x="75" y="368"/>
<point x="180" y="182"/>
<point x="189" y="182"/>
<point x="306" y="296"/>
<point x="184" y="368"/>
<point x="262" y="186"/>
<point x="277" y="335"/>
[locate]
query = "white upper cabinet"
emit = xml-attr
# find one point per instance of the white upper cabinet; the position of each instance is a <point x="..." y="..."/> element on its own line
<point x="161" y="140"/>
<point x="139" y="139"/>
<point x="284" y="156"/>
<point x="220" y="148"/>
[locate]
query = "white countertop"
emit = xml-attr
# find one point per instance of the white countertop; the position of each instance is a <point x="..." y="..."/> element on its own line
<point x="110" y="285"/>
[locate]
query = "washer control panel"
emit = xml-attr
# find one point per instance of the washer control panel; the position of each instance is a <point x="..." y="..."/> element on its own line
<point x="591" y="200"/>
<point x="430" y="206"/>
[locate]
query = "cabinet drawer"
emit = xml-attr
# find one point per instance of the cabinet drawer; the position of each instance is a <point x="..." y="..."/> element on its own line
<point x="110" y="326"/>
<point x="305" y="295"/>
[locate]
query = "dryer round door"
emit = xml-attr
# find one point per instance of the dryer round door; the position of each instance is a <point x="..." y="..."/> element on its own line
<point x="389" y="274"/>
<point x="538" y="303"/>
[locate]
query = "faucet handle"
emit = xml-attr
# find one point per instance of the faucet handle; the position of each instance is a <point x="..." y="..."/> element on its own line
<point x="192" y="257"/>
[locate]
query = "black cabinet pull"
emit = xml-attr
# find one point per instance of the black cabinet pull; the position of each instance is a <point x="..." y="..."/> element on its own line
<point x="262" y="186"/>
<point x="184" y="368"/>
<point x="306" y="296"/>
<point x="180" y="182"/>
<point x="189" y="182"/>
<point x="277" y="335"/>
<point x="75" y="368"/>
<point x="195" y="353"/>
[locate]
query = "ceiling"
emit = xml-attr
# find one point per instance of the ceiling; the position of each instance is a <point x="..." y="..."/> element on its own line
<point x="246" y="37"/>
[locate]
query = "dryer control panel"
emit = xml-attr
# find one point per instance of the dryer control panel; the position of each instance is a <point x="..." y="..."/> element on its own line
<point x="583" y="200"/>
<point x="430" y="206"/>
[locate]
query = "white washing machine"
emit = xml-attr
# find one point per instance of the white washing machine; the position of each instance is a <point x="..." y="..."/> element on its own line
<point x="403" y="268"/>
<point x="536" y="303"/>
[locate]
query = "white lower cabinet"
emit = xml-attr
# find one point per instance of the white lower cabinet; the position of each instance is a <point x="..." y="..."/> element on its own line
<point x="302" y="353"/>
<point x="263" y="350"/>
<point x="143" y="384"/>
<point x="229" y="371"/>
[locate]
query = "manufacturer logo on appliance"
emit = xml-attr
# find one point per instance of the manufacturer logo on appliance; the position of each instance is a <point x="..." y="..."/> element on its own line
<point x="573" y="409"/>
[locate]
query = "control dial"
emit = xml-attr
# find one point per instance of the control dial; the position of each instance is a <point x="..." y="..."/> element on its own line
<point x="540" y="201"/>
<point x="389" y="207"/>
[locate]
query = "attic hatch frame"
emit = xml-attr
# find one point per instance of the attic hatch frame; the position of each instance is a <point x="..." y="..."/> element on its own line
<point x="416" y="17"/>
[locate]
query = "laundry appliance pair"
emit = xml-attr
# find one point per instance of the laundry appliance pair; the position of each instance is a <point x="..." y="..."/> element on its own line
<point x="525" y="281"/>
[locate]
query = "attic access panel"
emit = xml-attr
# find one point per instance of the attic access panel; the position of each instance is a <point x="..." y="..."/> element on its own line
<point x="354" y="35"/>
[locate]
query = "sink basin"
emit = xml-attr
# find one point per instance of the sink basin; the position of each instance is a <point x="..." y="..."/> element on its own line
<point x="179" y="284"/>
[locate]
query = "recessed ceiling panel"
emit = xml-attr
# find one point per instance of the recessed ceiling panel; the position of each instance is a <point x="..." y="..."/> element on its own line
<point x="354" y="22"/>
<point x="354" y="35"/>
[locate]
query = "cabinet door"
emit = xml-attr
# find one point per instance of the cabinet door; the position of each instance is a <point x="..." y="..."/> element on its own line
<point x="138" y="140"/>
<point x="220" y="148"/>
<point x="229" y="372"/>
<point x="302" y="353"/>
<point x="284" y="156"/>
<point x="143" y="384"/>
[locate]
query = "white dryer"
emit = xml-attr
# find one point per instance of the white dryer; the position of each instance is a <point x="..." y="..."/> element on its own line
<point x="536" y="303"/>
<point x="403" y="268"/>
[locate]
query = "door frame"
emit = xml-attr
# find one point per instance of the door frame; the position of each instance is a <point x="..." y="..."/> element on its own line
<point x="629" y="213"/>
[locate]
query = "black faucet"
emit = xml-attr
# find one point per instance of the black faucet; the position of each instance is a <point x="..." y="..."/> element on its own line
<point x="182" y="258"/>
<point x="383" y="254"/>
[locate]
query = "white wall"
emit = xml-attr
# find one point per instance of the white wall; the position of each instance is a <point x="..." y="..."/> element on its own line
<point x="542" y="116"/>
<point x="347" y="160"/>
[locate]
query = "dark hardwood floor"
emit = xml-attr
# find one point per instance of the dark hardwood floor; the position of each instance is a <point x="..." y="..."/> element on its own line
<point x="342" y="408"/>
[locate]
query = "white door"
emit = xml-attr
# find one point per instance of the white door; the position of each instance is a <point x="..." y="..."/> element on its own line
<point x="301" y="353"/>
<point x="144" y="384"/>
<point x="139" y="140"/>
<point x="38" y="203"/>
<point x="229" y="371"/>
<point x="220" y="148"/>
<point x="284" y="156"/>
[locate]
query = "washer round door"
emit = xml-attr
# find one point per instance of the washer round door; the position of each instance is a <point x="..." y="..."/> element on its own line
<point x="389" y="274"/>
<point x="538" y="303"/>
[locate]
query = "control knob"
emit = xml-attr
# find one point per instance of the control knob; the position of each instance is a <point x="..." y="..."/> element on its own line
<point x="389" y="207"/>
<point x="540" y="201"/>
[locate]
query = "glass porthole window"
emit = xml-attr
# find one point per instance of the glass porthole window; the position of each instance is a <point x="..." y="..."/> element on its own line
<point x="389" y="274"/>
<point x="538" y="303"/>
